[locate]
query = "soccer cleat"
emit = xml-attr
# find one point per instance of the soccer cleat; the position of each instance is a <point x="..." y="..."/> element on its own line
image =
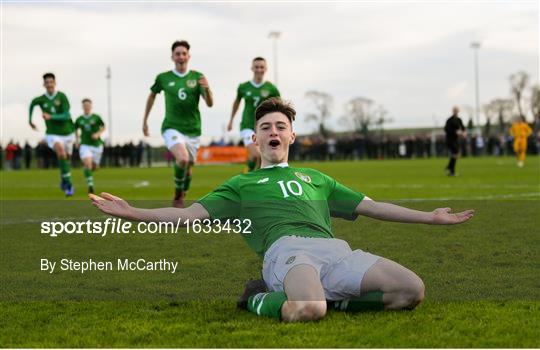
<point x="449" y="172"/>
<point x="178" y="201"/>
<point x="69" y="190"/>
<point x="253" y="287"/>
<point x="90" y="189"/>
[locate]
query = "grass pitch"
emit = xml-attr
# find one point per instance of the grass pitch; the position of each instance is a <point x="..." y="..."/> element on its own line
<point x="482" y="285"/>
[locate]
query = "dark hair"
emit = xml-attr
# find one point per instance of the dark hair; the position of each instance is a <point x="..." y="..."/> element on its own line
<point x="48" y="75"/>
<point x="259" y="58"/>
<point x="180" y="43"/>
<point x="86" y="100"/>
<point x="275" y="104"/>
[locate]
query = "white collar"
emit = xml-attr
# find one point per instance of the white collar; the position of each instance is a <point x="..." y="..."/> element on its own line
<point x="257" y="85"/>
<point x="281" y="165"/>
<point x="87" y="115"/>
<point x="175" y="72"/>
<point x="50" y="97"/>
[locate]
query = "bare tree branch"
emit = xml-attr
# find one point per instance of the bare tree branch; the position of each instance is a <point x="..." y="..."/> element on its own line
<point x="323" y="104"/>
<point x="518" y="83"/>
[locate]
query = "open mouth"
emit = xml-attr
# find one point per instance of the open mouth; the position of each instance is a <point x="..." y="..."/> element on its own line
<point x="274" y="143"/>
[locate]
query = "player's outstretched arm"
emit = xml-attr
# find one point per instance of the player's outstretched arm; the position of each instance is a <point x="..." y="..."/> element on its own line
<point x="116" y="206"/>
<point x="392" y="212"/>
<point x="32" y="105"/>
<point x="149" y="103"/>
<point x="235" y="106"/>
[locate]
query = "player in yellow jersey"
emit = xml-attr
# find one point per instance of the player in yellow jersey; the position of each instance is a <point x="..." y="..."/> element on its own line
<point x="520" y="131"/>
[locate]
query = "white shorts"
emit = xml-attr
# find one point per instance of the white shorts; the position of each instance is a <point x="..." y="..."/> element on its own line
<point x="173" y="137"/>
<point x="246" y="135"/>
<point x="66" y="140"/>
<point x="95" y="152"/>
<point x="340" y="269"/>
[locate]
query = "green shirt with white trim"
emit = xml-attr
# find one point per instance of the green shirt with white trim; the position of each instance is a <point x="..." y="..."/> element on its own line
<point x="57" y="106"/>
<point x="282" y="201"/>
<point x="89" y="124"/>
<point x="182" y="93"/>
<point x="253" y="95"/>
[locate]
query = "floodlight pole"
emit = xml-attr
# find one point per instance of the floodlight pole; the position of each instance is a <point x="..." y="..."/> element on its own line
<point x="275" y="35"/>
<point x="475" y="45"/>
<point x="109" y="107"/>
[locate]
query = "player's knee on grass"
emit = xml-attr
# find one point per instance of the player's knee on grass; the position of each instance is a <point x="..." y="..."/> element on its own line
<point x="305" y="294"/>
<point x="411" y="294"/>
<point x="301" y="311"/>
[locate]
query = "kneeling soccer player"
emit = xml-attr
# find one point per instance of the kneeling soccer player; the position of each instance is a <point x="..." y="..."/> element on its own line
<point x="290" y="209"/>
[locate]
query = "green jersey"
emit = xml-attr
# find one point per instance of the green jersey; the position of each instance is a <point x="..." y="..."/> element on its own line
<point x="57" y="106"/>
<point x="89" y="124"/>
<point x="282" y="201"/>
<point x="253" y="95"/>
<point x="182" y="94"/>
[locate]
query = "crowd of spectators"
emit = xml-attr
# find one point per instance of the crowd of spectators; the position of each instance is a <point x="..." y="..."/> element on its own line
<point x="15" y="156"/>
<point x="357" y="146"/>
<point x="347" y="146"/>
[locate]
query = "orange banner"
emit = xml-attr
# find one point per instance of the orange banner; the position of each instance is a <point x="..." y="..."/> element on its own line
<point x="220" y="155"/>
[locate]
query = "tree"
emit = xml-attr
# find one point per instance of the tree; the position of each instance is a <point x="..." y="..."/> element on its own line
<point x="518" y="83"/>
<point x="323" y="103"/>
<point x="381" y="118"/>
<point x="360" y="114"/>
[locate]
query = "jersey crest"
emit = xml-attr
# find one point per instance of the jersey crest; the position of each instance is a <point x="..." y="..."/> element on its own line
<point x="191" y="83"/>
<point x="303" y="177"/>
<point x="265" y="93"/>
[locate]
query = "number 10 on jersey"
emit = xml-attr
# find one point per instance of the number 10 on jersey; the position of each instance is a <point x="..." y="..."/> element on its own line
<point x="290" y="188"/>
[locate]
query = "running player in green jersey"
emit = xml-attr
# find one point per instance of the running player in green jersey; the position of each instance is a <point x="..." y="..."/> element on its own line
<point x="91" y="126"/>
<point x="181" y="126"/>
<point x="59" y="133"/>
<point x="253" y="92"/>
<point x="290" y="210"/>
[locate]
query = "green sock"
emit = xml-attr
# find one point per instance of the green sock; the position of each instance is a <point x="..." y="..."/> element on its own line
<point x="179" y="177"/>
<point x="251" y="164"/>
<point x="88" y="176"/>
<point x="267" y="304"/>
<point x="64" y="170"/>
<point x="372" y="301"/>
<point x="187" y="182"/>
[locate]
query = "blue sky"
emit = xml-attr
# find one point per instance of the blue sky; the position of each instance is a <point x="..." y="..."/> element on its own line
<point x="411" y="57"/>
